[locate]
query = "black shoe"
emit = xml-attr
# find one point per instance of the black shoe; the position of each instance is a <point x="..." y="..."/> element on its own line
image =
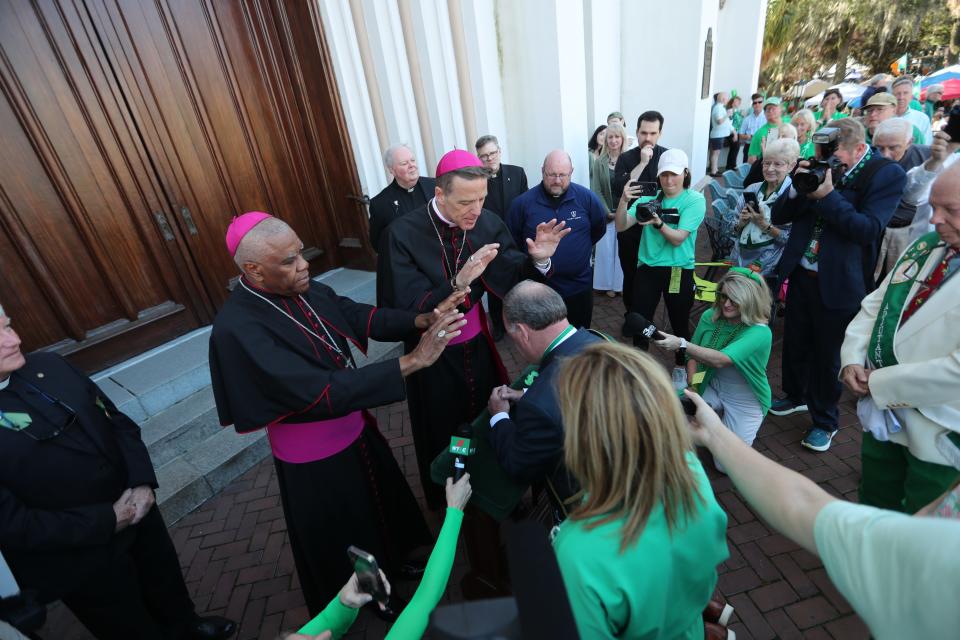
<point x="498" y="333"/>
<point x="786" y="407"/>
<point x="212" y="628"/>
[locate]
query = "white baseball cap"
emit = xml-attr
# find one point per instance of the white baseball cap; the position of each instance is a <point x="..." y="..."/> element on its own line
<point x="674" y="161"/>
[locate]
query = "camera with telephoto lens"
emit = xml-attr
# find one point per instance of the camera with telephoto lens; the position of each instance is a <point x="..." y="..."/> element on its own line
<point x="826" y="140"/>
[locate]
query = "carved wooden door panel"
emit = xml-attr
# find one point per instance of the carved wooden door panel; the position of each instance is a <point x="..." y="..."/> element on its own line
<point x="90" y="266"/>
<point x="227" y="103"/>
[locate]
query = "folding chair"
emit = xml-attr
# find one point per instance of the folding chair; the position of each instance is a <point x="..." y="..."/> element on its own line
<point x="716" y="191"/>
<point x="743" y="170"/>
<point x="720" y="208"/>
<point x="732" y="179"/>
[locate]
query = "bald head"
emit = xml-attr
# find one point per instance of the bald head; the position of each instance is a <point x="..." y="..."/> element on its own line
<point x="557" y="169"/>
<point x="533" y="304"/>
<point x="945" y="202"/>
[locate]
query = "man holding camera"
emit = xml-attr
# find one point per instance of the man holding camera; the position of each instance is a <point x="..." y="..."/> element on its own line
<point x="636" y="165"/>
<point x="839" y="206"/>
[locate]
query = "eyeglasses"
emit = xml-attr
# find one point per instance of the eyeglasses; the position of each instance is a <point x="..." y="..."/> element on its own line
<point x="758" y="102"/>
<point x="776" y="164"/>
<point x="556" y="176"/>
<point x="723" y="297"/>
<point x="489" y="156"/>
<point x="71" y="417"/>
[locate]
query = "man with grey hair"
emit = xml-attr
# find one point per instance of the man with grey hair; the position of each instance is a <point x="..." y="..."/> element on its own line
<point x="556" y="197"/>
<point x="893" y="138"/>
<point x="408" y="191"/>
<point x="528" y="438"/>
<point x="281" y="360"/>
<point x="902" y="90"/>
<point x="505" y="183"/>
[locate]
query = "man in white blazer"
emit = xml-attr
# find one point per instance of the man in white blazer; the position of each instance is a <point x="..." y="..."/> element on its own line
<point x="901" y="355"/>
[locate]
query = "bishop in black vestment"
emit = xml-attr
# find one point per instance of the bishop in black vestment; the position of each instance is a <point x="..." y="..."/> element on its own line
<point x="280" y="359"/>
<point x="454" y="244"/>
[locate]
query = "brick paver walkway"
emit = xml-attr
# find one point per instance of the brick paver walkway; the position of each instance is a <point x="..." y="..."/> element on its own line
<point x="236" y="556"/>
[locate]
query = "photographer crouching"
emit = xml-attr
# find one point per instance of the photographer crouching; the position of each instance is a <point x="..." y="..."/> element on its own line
<point x="839" y="205"/>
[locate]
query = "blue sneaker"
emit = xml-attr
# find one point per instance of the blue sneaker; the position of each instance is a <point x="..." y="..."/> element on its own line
<point x="818" y="439"/>
<point x="786" y="406"/>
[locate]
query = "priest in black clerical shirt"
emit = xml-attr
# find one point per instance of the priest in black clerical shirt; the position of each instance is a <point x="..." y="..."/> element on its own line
<point x="408" y="191"/>
<point x="505" y="183"/>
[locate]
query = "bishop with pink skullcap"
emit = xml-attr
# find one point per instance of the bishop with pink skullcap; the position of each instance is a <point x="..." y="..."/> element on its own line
<point x="450" y="244"/>
<point x="281" y="360"/>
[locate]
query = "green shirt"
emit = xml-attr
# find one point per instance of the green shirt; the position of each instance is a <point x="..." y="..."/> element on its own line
<point x="412" y="622"/>
<point x="898" y="572"/>
<point x="807" y="150"/>
<point x="749" y="350"/>
<point x="659" y="586"/>
<point x="819" y="117"/>
<point x="761" y="133"/>
<point x="655" y="250"/>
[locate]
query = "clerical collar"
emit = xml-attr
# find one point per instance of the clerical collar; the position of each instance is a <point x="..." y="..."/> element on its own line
<point x="436" y="210"/>
<point x="560" y="339"/>
<point x="4" y="383"/>
<point x="410" y="190"/>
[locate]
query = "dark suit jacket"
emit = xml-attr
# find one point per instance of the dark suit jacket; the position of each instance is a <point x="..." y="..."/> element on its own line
<point x="853" y="221"/>
<point x="529" y="444"/>
<point x="514" y="182"/>
<point x="383" y="211"/>
<point x="56" y="496"/>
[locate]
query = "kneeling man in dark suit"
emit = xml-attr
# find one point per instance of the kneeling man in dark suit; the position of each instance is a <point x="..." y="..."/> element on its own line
<point x="528" y="438"/>
<point x="77" y="515"/>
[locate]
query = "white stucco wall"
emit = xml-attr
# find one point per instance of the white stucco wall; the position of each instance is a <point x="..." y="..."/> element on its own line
<point x="542" y="74"/>
<point x="739" y="43"/>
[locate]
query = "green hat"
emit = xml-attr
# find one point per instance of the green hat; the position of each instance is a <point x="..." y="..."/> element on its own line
<point x="772" y="100"/>
<point x="750" y="273"/>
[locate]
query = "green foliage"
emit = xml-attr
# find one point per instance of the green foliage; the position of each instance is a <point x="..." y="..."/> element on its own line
<point x="804" y="38"/>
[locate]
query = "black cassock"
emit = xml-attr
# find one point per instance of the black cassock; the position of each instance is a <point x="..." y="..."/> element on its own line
<point x="422" y="253"/>
<point x="266" y="369"/>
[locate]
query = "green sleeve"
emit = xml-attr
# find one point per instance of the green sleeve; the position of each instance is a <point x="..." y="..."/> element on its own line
<point x="749" y="354"/>
<point x="336" y="618"/>
<point x="412" y="623"/>
<point x="754" y="149"/>
<point x="693" y="213"/>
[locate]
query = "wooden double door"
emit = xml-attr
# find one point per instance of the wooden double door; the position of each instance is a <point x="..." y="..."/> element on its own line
<point x="131" y="132"/>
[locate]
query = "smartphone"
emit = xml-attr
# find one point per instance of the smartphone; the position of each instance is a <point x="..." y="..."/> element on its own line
<point x="750" y="198"/>
<point x="646" y="188"/>
<point x="689" y="406"/>
<point x="368" y="574"/>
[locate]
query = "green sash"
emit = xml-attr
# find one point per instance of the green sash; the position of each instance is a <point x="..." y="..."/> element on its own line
<point x="905" y="273"/>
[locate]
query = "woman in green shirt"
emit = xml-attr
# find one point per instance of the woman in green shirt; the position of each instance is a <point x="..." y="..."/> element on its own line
<point x="640" y="549"/>
<point x="728" y="354"/>
<point x="668" y="244"/>
<point x="805" y="124"/>
<point x="336" y="618"/>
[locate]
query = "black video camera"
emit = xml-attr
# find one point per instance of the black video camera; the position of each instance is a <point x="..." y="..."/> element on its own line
<point x="647" y="210"/>
<point x="826" y="141"/>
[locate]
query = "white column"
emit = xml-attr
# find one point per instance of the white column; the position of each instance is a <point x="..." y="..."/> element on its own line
<point x="662" y="70"/>
<point x="602" y="20"/>
<point x="483" y="66"/>
<point x="438" y="74"/>
<point x="347" y="65"/>
<point x="739" y="45"/>
<point x="544" y="81"/>
<point x="392" y="70"/>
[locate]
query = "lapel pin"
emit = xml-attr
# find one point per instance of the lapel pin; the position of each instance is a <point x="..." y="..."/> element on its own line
<point x="39" y="375"/>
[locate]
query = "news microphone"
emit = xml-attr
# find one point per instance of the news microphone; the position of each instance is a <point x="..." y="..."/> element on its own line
<point x="461" y="446"/>
<point x="636" y="324"/>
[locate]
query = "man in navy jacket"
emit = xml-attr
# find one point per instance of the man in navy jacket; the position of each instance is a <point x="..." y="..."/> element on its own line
<point x="829" y="259"/>
<point x="557" y="197"/>
<point x="528" y="439"/>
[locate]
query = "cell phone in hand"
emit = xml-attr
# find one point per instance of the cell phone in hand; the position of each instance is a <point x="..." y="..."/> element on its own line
<point x="368" y="575"/>
<point x="751" y="200"/>
<point x="646" y="188"/>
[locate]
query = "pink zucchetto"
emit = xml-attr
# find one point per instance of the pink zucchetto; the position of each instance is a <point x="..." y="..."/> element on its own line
<point x="241" y="226"/>
<point x="456" y="159"/>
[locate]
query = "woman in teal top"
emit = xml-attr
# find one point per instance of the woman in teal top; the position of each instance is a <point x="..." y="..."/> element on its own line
<point x="729" y="351"/>
<point x="668" y="245"/>
<point x="412" y="622"/>
<point x="640" y="549"/>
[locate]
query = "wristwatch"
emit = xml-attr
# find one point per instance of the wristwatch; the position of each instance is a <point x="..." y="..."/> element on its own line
<point x="683" y="343"/>
<point x="658" y="226"/>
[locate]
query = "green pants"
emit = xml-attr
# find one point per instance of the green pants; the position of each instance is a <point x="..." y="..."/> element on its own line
<point x="893" y="478"/>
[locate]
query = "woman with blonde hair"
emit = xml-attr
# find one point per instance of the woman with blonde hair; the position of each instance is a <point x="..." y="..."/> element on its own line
<point x="805" y="124"/>
<point x="607" y="274"/>
<point x="640" y="549"/>
<point x="728" y="354"/>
